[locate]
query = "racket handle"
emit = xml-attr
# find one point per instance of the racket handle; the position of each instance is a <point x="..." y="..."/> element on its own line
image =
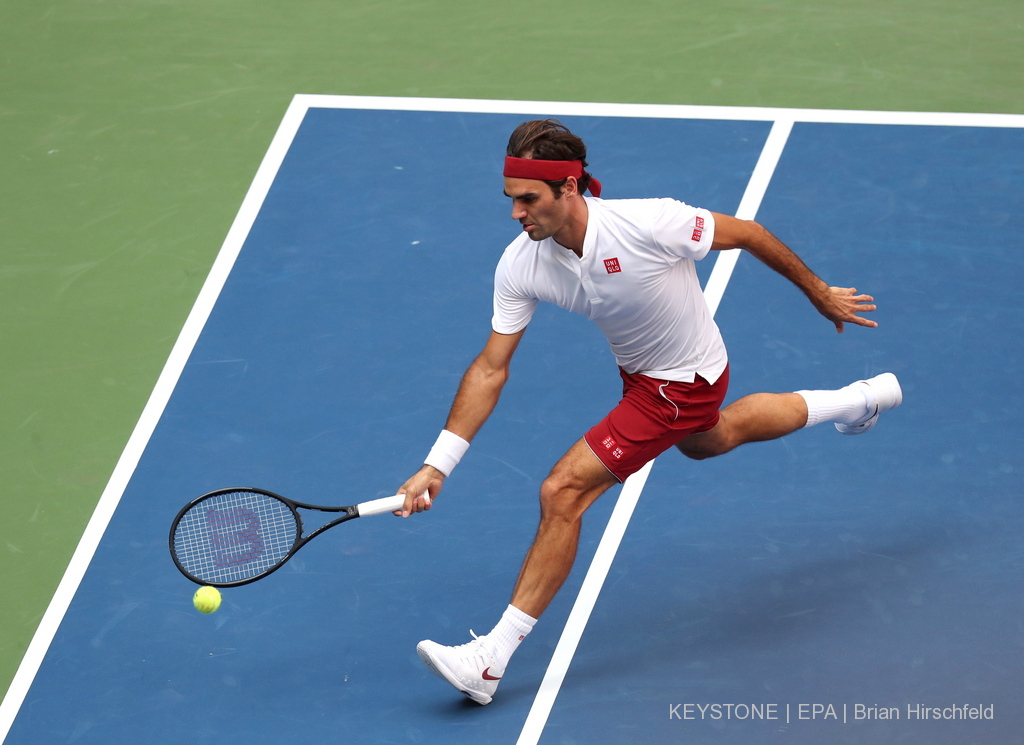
<point x="380" y="506"/>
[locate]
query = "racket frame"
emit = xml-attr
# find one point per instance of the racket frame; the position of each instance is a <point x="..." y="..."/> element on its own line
<point x="373" y="507"/>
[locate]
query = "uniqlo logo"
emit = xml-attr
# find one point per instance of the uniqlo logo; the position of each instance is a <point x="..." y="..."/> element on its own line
<point x="698" y="222"/>
<point x="612" y="266"/>
<point x="608" y="442"/>
<point x="696" y="235"/>
<point x="617" y="453"/>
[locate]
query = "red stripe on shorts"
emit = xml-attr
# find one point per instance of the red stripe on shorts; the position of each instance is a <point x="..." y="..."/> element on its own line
<point x="652" y="416"/>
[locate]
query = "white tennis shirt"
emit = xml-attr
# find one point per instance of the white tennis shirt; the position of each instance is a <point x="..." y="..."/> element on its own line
<point x="636" y="280"/>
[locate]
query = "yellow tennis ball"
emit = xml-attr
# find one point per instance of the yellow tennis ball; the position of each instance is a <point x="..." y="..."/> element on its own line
<point x="206" y="599"/>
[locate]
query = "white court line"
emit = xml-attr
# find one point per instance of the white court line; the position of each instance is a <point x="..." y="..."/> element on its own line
<point x="663" y="111"/>
<point x="632" y="488"/>
<point x="243" y="222"/>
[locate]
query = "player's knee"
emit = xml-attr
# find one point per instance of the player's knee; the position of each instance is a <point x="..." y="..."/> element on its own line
<point x="561" y="496"/>
<point x="704" y="448"/>
<point x="694" y="452"/>
<point x="556" y="495"/>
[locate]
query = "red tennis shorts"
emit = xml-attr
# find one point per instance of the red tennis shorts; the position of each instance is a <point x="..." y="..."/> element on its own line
<point x="652" y="416"/>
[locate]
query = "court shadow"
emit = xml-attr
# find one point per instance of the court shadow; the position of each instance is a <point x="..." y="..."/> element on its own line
<point x="904" y="583"/>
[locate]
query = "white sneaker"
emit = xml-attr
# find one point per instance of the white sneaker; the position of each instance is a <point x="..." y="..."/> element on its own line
<point x="468" y="667"/>
<point x="883" y="393"/>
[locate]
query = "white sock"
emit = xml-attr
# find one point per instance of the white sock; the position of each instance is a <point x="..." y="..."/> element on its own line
<point x="845" y="405"/>
<point x="505" y="638"/>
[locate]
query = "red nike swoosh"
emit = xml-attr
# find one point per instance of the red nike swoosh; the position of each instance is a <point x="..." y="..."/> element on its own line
<point x="487" y="675"/>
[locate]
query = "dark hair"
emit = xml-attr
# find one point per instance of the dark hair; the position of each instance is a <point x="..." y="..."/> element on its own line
<point x="549" y="139"/>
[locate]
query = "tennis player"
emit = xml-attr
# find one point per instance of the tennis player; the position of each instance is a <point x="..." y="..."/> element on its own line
<point x="628" y="265"/>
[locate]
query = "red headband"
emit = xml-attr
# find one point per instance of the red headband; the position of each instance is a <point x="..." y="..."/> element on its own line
<point x="548" y="170"/>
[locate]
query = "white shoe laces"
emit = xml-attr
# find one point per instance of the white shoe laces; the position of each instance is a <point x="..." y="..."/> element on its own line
<point x="476" y="648"/>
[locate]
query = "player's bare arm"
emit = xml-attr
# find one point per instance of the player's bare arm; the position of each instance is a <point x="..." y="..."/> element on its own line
<point x="476" y="398"/>
<point x="840" y="305"/>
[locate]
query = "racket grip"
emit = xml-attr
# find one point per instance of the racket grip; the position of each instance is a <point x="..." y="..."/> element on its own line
<point x="380" y="506"/>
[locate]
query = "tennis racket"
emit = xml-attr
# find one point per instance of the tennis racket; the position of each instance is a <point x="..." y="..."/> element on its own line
<point x="231" y="537"/>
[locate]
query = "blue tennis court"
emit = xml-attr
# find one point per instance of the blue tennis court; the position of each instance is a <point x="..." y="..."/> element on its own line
<point x="816" y="589"/>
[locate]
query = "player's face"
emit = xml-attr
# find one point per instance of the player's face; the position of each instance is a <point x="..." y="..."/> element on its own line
<point x="535" y="206"/>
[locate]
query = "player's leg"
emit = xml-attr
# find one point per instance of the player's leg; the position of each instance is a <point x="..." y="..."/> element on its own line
<point x="575" y="482"/>
<point x="768" y="416"/>
<point x="754" y="418"/>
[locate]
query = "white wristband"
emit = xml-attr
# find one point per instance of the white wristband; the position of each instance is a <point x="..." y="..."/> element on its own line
<point x="447" y="452"/>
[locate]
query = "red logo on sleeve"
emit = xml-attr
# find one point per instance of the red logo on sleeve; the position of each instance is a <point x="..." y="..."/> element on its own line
<point x="696" y="235"/>
<point x="698" y="222"/>
<point x="612" y="266"/>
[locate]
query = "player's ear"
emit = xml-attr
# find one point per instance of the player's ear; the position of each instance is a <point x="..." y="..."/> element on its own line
<point x="571" y="187"/>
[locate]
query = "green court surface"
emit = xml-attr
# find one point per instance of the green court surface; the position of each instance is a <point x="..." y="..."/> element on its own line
<point x="130" y="131"/>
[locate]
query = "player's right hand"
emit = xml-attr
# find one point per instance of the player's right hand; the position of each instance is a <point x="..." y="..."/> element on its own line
<point x="420" y="491"/>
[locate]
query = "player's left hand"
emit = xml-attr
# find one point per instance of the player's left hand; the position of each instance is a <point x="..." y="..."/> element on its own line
<point x="841" y="305"/>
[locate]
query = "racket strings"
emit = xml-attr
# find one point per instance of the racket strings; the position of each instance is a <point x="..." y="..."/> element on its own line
<point x="234" y="536"/>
